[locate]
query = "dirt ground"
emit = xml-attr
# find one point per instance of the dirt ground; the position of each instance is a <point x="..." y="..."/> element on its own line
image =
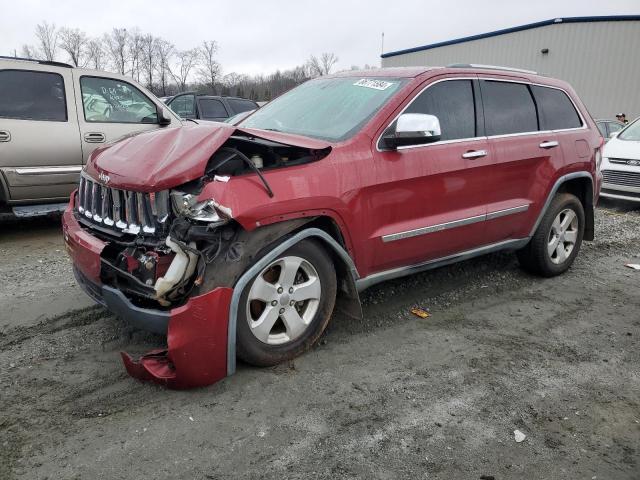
<point x="391" y="397"/>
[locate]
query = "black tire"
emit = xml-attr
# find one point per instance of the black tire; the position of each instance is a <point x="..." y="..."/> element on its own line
<point x="256" y="352"/>
<point x="535" y="257"/>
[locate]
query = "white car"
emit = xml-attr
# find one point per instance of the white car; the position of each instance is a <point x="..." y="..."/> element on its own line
<point x="621" y="164"/>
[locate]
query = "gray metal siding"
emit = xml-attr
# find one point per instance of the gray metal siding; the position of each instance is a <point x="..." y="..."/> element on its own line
<point x="601" y="60"/>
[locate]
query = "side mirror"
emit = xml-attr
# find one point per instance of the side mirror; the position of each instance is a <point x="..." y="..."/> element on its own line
<point x="413" y="129"/>
<point x="613" y="134"/>
<point x="163" y="117"/>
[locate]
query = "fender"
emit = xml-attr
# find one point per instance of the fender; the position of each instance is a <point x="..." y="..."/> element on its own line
<point x="246" y="277"/>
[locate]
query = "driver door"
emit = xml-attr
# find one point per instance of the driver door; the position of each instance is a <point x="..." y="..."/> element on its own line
<point x="110" y="108"/>
<point x="428" y="202"/>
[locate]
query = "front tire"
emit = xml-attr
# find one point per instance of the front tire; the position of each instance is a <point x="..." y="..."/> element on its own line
<point x="556" y="242"/>
<point x="285" y="308"/>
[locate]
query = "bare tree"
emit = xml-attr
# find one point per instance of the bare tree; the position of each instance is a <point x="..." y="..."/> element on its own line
<point x="321" y="66"/>
<point x="149" y="57"/>
<point x="135" y="52"/>
<point x="165" y="52"/>
<point x="73" y="42"/>
<point x="48" y="39"/>
<point x="28" y="51"/>
<point x="116" y="47"/>
<point x="95" y="53"/>
<point x="209" y="69"/>
<point x="186" y="60"/>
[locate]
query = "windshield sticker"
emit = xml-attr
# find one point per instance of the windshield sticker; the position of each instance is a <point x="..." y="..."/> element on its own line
<point x="371" y="83"/>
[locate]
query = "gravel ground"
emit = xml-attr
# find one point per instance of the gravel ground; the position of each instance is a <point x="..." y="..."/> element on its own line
<point x="393" y="396"/>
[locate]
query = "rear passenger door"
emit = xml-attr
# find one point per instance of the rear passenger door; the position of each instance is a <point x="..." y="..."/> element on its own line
<point x="523" y="159"/>
<point x="40" y="156"/>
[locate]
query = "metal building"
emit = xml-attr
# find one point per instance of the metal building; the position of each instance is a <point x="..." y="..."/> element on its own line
<point x="598" y="56"/>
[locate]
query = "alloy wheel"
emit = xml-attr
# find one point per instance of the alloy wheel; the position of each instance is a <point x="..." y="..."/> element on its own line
<point x="562" y="236"/>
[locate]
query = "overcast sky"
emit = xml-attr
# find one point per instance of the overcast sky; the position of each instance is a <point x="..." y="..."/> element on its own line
<point x="262" y="36"/>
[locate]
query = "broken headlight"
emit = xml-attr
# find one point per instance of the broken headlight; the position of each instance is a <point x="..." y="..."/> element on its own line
<point x="188" y="206"/>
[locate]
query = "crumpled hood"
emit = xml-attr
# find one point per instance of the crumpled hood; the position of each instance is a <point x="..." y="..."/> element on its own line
<point x="168" y="157"/>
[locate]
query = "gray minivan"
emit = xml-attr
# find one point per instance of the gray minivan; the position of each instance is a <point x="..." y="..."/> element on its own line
<point x="52" y="116"/>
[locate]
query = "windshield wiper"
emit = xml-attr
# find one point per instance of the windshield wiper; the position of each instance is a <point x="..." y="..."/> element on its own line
<point x="192" y="120"/>
<point x="272" y="129"/>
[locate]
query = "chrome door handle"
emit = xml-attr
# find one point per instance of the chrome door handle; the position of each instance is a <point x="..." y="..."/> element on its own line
<point x="5" y="136"/>
<point x="94" y="137"/>
<point x="475" y="154"/>
<point x="550" y="144"/>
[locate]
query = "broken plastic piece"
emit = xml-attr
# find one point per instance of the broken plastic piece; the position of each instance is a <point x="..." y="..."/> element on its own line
<point x="420" y="312"/>
<point x="519" y="436"/>
<point x="635" y="266"/>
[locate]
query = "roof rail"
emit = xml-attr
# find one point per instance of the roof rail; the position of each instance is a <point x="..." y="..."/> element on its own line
<point x="490" y="67"/>
<point x="41" y="62"/>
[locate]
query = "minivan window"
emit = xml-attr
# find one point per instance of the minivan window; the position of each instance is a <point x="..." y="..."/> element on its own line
<point x="508" y="108"/>
<point x="28" y="95"/>
<point x="555" y="108"/>
<point x="106" y="100"/>
<point x="212" y="108"/>
<point x="452" y="102"/>
<point x="326" y="108"/>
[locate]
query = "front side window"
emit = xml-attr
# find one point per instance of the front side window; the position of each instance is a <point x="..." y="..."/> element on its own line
<point x="614" y="127"/>
<point x="508" y="108"/>
<point x="212" y="108"/>
<point x="632" y="132"/>
<point x="326" y="108"/>
<point x="28" y="95"/>
<point x="184" y="105"/>
<point x="555" y="108"/>
<point x="452" y="102"/>
<point x="106" y="100"/>
<point x="239" y="105"/>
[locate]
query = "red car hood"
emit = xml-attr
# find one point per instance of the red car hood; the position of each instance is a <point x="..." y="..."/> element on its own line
<point x="165" y="158"/>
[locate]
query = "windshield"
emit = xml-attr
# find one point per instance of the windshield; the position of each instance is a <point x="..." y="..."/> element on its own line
<point x="632" y="132"/>
<point x="325" y="108"/>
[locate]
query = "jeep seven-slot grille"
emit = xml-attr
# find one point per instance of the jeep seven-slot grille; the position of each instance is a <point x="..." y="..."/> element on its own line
<point x="122" y="210"/>
<point x="618" y="177"/>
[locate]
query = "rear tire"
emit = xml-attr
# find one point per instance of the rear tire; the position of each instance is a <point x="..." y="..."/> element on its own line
<point x="285" y="308"/>
<point x="556" y="242"/>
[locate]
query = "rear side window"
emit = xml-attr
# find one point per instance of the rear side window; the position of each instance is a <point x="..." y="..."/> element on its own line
<point x="28" y="95"/>
<point x="452" y="102"/>
<point x="556" y="109"/>
<point x="212" y="108"/>
<point x="508" y="108"/>
<point x="239" y="106"/>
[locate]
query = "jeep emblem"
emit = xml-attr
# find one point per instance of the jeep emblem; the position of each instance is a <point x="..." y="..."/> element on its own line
<point x="104" y="178"/>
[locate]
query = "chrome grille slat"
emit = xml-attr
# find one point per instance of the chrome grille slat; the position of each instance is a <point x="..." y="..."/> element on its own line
<point x="122" y="210"/>
<point x="619" y="177"/>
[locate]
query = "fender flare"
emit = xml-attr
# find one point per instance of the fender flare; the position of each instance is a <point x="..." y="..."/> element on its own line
<point x="563" y="179"/>
<point x="262" y="263"/>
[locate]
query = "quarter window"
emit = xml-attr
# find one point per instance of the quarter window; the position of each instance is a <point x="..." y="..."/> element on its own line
<point x="508" y="108"/>
<point x="212" y="108"/>
<point x="28" y="95"/>
<point x="106" y="100"/>
<point x="556" y="109"/>
<point x="452" y="102"/>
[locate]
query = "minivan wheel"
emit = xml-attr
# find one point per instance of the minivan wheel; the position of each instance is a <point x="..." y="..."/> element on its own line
<point x="285" y="308"/>
<point x="556" y="243"/>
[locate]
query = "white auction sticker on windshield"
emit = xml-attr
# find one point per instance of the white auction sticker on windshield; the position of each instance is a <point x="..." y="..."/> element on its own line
<point x="371" y="83"/>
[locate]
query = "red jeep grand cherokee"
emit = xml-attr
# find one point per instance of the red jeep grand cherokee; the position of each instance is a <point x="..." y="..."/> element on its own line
<point x="242" y="239"/>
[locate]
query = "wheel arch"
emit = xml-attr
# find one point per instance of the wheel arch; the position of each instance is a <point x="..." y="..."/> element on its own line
<point x="579" y="184"/>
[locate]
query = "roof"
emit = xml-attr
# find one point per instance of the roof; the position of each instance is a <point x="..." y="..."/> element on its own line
<point x="529" y="26"/>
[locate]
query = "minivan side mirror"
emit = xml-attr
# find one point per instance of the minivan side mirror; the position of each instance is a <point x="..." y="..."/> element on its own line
<point x="413" y="129"/>
<point x="163" y="117"/>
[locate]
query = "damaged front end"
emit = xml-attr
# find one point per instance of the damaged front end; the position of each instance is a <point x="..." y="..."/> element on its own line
<point x="167" y="261"/>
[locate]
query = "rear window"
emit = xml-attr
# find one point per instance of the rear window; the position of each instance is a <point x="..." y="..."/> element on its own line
<point x="28" y="95"/>
<point x="556" y="109"/>
<point x="508" y="108"/>
<point x="239" y="105"/>
<point x="212" y="108"/>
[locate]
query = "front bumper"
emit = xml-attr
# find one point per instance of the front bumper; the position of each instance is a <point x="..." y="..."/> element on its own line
<point x="196" y="352"/>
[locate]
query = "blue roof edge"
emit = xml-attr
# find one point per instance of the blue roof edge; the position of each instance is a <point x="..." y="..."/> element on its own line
<point x="528" y="26"/>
